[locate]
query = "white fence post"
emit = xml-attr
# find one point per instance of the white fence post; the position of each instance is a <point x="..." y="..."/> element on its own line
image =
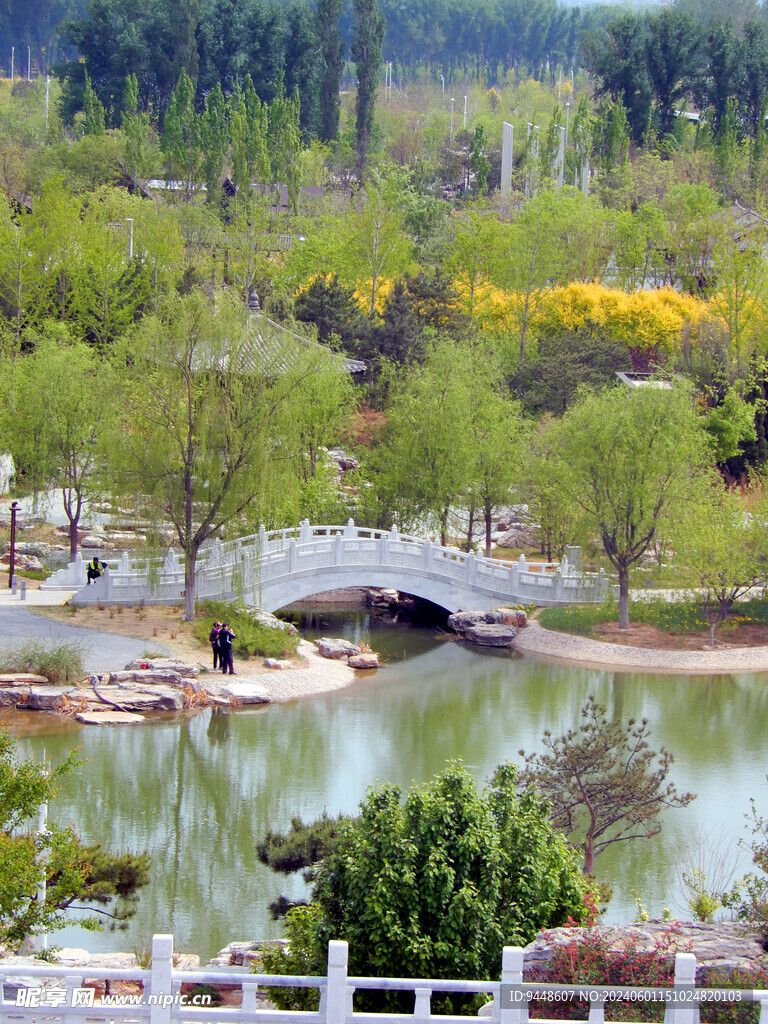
<point x="763" y="1011"/>
<point x="349" y="529"/>
<point x="469" y="567"/>
<point x="684" y="1011"/>
<point x="421" y="1005"/>
<point x="336" y="994"/>
<point x="338" y="551"/>
<point x="427" y="551"/>
<point x="160" y="979"/>
<point x="290" y="545"/>
<point x="512" y="974"/>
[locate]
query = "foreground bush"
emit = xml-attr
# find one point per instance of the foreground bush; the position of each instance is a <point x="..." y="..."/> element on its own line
<point x="434" y="886"/>
<point x="58" y="662"/>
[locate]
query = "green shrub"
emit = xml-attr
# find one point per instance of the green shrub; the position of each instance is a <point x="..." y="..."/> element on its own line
<point x="252" y="638"/>
<point x="58" y="662"/>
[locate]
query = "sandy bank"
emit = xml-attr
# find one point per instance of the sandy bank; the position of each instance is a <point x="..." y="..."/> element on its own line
<point x="537" y="640"/>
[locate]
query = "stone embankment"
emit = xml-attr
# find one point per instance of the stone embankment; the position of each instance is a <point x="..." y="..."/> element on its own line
<point x="496" y="628"/>
<point x="343" y="650"/>
<point x="719" y="948"/>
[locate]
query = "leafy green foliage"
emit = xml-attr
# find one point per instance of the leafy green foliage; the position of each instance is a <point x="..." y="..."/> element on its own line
<point x="78" y="876"/>
<point x="672" y="617"/>
<point x="303" y="845"/>
<point x="436" y="884"/>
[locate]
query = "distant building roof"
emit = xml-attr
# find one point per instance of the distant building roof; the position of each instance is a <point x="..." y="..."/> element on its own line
<point x="645" y="380"/>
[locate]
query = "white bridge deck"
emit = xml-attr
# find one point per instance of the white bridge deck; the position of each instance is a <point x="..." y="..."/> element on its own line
<point x="274" y="569"/>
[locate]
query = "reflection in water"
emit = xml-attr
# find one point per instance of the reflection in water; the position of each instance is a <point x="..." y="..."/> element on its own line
<point x="199" y="790"/>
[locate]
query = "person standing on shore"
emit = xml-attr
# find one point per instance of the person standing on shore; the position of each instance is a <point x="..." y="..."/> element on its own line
<point x="214" y="639"/>
<point x="226" y="636"/>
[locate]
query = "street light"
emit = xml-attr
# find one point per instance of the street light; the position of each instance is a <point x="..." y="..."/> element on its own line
<point x="442" y="82"/>
<point x="12" y="560"/>
<point x="452" y="103"/>
<point x="567" y="112"/>
<point x="130" y="243"/>
<point x="465" y="112"/>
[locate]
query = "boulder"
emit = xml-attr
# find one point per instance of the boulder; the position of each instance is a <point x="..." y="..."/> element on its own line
<point x="138" y="697"/>
<point x="363" y="661"/>
<point x="460" y="621"/>
<point x="147" y="677"/>
<point x="279" y="663"/>
<point x="185" y="669"/>
<point x="91" y="540"/>
<point x="12" y="698"/>
<point x="109" y="718"/>
<point x="491" y="635"/>
<point x="512" y="617"/>
<point x="245" y="693"/>
<point x="337" y="650"/>
<point x="381" y="597"/>
<point x="21" y="679"/>
<point x="272" y="621"/>
<point x="36" y="548"/>
<point x="519" y="537"/>
<point x="49" y="698"/>
<point x="25" y="562"/>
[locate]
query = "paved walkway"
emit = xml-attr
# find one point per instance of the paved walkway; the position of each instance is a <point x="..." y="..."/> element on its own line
<point x="534" y="639"/>
<point x="102" y="652"/>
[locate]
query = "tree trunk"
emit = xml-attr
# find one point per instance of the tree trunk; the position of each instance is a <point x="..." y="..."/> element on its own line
<point x="589" y="858"/>
<point x="470" y="529"/>
<point x="190" y="559"/>
<point x="488" y="530"/>
<point x="624" y="597"/>
<point x="444" y="528"/>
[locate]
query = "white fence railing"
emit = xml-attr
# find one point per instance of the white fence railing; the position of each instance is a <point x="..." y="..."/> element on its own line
<point x="66" y="994"/>
<point x="248" y="564"/>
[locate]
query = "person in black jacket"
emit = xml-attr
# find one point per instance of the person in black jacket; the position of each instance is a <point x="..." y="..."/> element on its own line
<point x="214" y="639"/>
<point x="226" y="636"/>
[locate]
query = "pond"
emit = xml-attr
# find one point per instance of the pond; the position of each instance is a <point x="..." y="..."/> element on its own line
<point x="198" y="791"/>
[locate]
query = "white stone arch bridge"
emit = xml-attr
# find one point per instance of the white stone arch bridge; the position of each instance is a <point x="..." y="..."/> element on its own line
<point x="274" y="569"/>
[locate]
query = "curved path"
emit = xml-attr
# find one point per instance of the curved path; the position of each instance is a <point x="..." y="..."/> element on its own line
<point x="102" y="652"/>
<point x="535" y="639"/>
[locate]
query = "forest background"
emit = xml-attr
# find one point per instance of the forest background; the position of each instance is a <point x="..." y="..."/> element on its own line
<point x="337" y="168"/>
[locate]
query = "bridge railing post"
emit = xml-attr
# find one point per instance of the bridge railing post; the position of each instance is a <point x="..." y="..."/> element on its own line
<point x="338" y="550"/>
<point x="427" y="553"/>
<point x="349" y="529"/>
<point x="290" y="545"/>
<point x="305" y="533"/>
<point x="469" y="567"/>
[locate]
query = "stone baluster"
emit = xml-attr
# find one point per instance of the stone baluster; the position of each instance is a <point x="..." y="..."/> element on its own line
<point x="305" y="532"/>
<point x="421" y="1003"/>
<point x="469" y="567"/>
<point x="426" y="549"/>
<point x="383" y="549"/>
<point x="263" y="542"/>
<point x="125" y="564"/>
<point x="338" y="550"/>
<point x="510" y="1010"/>
<point x="290" y="547"/>
<point x="349" y="529"/>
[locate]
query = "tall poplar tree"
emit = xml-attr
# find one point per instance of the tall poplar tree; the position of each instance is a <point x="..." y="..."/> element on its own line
<point x="367" y="38"/>
<point x="332" y="57"/>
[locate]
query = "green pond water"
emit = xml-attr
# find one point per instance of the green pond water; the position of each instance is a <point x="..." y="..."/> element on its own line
<point x="199" y="790"/>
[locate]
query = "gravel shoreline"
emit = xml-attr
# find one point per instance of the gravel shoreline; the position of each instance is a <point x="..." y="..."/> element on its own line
<point x="548" y="643"/>
<point x="319" y="675"/>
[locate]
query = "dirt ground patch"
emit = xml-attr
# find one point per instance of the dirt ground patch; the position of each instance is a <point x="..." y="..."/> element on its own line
<point x="157" y="623"/>
<point x="641" y="634"/>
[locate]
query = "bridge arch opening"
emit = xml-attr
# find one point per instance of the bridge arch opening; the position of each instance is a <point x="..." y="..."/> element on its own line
<point x="391" y="605"/>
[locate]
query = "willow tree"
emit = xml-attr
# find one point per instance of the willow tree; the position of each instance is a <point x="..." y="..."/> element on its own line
<point x="213" y="412"/>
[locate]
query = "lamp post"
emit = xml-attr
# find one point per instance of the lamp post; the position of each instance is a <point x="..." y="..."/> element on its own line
<point x="452" y="103"/>
<point x="567" y="112"/>
<point x="442" y="82"/>
<point x="12" y="559"/>
<point x="130" y="243"/>
<point x="465" y="113"/>
<point x="29" y="63"/>
<point x="13" y="50"/>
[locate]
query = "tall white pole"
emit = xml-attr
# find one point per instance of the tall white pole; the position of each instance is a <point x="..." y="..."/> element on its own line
<point x="13" y="48"/>
<point x="47" y="87"/>
<point x="465" y="112"/>
<point x="442" y="82"/>
<point x="40" y="940"/>
<point x="567" y="112"/>
<point x="452" y="103"/>
<point x="29" y="63"/>
<point x="559" y="83"/>
<point x="130" y="243"/>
